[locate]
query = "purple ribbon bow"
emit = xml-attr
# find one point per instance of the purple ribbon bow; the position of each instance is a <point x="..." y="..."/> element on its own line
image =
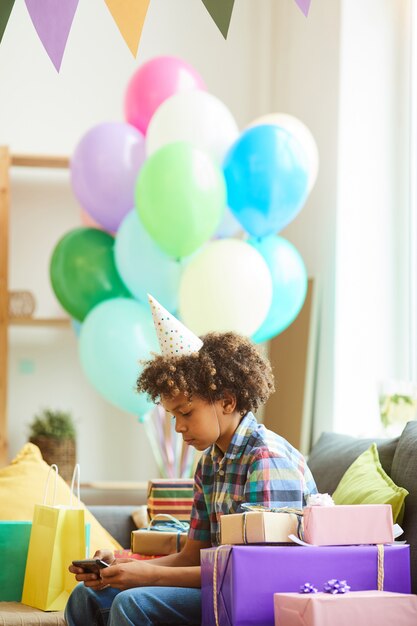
<point x="308" y="588"/>
<point x="335" y="586"/>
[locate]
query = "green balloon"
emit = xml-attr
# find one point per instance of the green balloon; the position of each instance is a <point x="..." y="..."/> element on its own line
<point x="83" y="272"/>
<point x="180" y="198"/>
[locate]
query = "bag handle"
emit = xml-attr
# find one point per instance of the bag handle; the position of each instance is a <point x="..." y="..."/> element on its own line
<point x="75" y="474"/>
<point x="45" y="493"/>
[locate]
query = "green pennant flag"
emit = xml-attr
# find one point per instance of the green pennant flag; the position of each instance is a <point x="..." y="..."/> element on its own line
<point x="6" y="7"/>
<point x="221" y="12"/>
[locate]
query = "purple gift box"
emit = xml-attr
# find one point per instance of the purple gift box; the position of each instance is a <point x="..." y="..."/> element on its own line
<point x="248" y="576"/>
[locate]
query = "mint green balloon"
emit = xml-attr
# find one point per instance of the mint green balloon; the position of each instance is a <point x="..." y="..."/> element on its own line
<point x="180" y="197"/>
<point x="115" y="337"/>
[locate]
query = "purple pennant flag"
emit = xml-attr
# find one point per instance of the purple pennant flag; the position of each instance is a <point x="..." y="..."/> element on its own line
<point x="52" y="20"/>
<point x="304" y="6"/>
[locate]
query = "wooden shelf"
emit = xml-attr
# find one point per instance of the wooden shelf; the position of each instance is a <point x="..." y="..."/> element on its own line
<point x="57" y="322"/>
<point x="8" y="160"/>
<point x="33" y="160"/>
<point x="118" y="486"/>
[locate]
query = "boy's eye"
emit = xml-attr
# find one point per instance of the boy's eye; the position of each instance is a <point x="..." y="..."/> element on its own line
<point x="186" y="414"/>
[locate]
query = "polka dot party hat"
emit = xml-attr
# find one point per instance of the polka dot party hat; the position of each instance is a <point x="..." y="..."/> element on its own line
<point x="174" y="338"/>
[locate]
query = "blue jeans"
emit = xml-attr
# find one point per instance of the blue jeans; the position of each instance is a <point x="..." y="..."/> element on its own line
<point x="140" y="606"/>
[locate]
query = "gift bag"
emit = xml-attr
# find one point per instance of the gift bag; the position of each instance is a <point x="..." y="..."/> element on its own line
<point x="57" y="537"/>
<point x="14" y="542"/>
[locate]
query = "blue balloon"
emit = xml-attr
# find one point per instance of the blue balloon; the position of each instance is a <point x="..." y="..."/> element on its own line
<point x="142" y="265"/>
<point x="114" y="337"/>
<point x="289" y="284"/>
<point x="266" y="173"/>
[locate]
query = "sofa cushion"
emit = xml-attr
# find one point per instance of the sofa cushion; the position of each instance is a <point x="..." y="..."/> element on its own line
<point x="334" y="453"/>
<point x="117" y="520"/>
<point x="404" y="473"/>
<point x="365" y="482"/>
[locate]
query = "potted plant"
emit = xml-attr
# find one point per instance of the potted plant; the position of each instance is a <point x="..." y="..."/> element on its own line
<point x="53" y="431"/>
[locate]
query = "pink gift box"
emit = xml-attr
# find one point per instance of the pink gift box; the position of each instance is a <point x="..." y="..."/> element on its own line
<point x="358" y="608"/>
<point x="350" y="524"/>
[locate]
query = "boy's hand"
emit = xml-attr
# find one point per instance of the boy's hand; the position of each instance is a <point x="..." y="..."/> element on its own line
<point x="105" y="555"/>
<point x="125" y="574"/>
<point x="92" y="579"/>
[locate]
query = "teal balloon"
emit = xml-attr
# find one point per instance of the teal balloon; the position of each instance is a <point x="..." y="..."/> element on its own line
<point x="83" y="272"/>
<point x="114" y="338"/>
<point x="142" y="265"/>
<point x="289" y="284"/>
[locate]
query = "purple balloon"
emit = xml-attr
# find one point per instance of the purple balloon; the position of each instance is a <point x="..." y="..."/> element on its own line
<point x="104" y="169"/>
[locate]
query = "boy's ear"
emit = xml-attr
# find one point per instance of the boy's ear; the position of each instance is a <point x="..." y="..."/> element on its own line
<point x="229" y="402"/>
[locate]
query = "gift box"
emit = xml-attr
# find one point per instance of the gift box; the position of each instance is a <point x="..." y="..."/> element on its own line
<point x="257" y="527"/>
<point x="174" y="497"/>
<point x="153" y="542"/>
<point x="239" y="582"/>
<point x="348" y="524"/>
<point x="362" y="608"/>
<point x="164" y="535"/>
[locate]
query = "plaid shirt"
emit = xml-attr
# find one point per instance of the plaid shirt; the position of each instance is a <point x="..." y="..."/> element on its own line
<point x="259" y="467"/>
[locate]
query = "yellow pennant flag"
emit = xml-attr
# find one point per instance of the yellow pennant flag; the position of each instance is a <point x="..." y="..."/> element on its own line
<point x="129" y="16"/>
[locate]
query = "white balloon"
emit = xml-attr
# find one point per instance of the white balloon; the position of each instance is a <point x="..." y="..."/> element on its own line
<point x="302" y="133"/>
<point x="227" y="286"/>
<point x="194" y="116"/>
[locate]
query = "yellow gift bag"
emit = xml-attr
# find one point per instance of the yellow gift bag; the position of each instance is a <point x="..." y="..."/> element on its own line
<point x="57" y="537"/>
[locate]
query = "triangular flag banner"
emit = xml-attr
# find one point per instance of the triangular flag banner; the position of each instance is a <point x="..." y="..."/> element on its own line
<point x="221" y="12"/>
<point x="174" y="338"/>
<point x="129" y="16"/>
<point x="304" y="6"/>
<point x="6" y="7"/>
<point x="52" y="20"/>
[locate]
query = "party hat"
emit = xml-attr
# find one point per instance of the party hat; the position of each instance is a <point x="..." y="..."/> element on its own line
<point x="174" y="338"/>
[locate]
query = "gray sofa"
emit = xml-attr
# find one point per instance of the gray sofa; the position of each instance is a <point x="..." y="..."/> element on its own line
<point x="328" y="460"/>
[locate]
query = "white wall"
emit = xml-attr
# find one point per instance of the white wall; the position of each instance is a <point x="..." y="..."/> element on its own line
<point x="43" y="112"/>
<point x="305" y="72"/>
<point x="371" y="334"/>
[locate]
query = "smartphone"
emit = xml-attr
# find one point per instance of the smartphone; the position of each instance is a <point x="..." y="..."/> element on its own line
<point x="91" y="565"/>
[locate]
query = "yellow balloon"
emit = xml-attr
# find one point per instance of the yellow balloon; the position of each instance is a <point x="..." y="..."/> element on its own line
<point x="227" y="286"/>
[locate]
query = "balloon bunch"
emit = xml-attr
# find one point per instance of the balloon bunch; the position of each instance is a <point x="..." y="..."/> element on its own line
<point x="168" y="197"/>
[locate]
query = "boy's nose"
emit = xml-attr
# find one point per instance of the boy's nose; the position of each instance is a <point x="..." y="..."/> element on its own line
<point x="180" y="426"/>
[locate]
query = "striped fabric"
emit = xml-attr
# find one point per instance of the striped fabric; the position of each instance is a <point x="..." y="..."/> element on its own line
<point x="259" y="467"/>
<point x="172" y="496"/>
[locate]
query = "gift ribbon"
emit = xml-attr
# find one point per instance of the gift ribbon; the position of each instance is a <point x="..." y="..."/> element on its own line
<point x="215" y="607"/>
<point x="380" y="567"/>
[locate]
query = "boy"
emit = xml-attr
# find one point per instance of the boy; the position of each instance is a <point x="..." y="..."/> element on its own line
<point x="210" y="387"/>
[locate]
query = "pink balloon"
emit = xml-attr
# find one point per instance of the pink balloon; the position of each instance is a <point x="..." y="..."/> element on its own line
<point x="154" y="82"/>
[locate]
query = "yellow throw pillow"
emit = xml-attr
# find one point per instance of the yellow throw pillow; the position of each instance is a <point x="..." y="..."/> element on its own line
<point x="366" y="482"/>
<point x="22" y="485"/>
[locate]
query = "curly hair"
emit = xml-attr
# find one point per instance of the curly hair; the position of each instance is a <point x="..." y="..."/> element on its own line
<point x="225" y="362"/>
